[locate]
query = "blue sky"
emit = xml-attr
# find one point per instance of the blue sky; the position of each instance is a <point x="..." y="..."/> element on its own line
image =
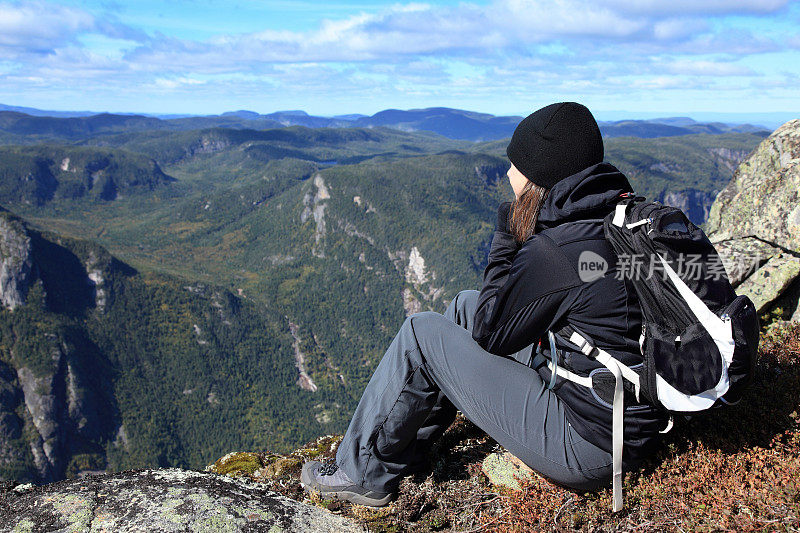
<point x="620" y="57"/>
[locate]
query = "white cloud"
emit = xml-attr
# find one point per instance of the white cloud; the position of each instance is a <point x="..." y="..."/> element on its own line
<point x="676" y="29"/>
<point x="660" y="82"/>
<point x="503" y="27"/>
<point x="174" y="83"/>
<point x="39" y="27"/>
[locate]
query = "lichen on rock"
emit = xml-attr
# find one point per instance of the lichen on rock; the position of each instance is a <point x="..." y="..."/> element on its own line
<point x="505" y="470"/>
<point x="238" y="464"/>
<point x="762" y="198"/>
<point x="162" y="500"/>
<point x="755" y="222"/>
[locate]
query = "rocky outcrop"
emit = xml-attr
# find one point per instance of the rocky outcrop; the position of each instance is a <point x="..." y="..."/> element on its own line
<point x="161" y="500"/>
<point x="727" y="158"/>
<point x="304" y="381"/>
<point x="419" y="293"/>
<point x="64" y="406"/>
<point x="96" y="279"/>
<point x="410" y="302"/>
<point x="503" y="469"/>
<point x="43" y="401"/>
<point x="762" y="198"/>
<point x="315" y="205"/>
<point x="755" y="224"/>
<point x="208" y="143"/>
<point x="15" y="261"/>
<point x="771" y="280"/>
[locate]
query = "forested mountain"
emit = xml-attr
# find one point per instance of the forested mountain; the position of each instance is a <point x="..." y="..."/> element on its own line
<point x="103" y="367"/>
<point x="35" y="175"/>
<point x="252" y="281"/>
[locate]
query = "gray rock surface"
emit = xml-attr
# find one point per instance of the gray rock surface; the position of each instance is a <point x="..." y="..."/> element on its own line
<point x="771" y="280"/>
<point x="160" y="500"/>
<point x="40" y="399"/>
<point x="755" y="224"/>
<point x="762" y="198"/>
<point x="743" y="256"/>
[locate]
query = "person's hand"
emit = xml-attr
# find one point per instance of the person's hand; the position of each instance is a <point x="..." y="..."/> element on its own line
<point x="503" y="214"/>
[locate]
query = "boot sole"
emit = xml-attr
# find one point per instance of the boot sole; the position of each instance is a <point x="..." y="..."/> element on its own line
<point x="359" y="499"/>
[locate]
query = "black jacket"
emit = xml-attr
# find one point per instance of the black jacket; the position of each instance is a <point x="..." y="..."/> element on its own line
<point x="531" y="288"/>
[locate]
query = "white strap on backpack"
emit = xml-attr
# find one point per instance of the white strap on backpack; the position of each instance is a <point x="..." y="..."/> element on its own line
<point x="620" y="371"/>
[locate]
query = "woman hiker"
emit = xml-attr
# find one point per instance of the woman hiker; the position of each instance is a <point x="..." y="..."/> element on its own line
<point x="480" y="357"/>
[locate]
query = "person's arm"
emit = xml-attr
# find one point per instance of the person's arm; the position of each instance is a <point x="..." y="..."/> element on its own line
<point x="523" y="290"/>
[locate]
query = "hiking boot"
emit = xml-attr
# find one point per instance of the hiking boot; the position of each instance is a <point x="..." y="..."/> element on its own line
<point x="331" y="482"/>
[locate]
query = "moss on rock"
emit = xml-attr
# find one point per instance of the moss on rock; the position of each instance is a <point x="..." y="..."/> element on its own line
<point x="238" y="464"/>
<point x="505" y="470"/>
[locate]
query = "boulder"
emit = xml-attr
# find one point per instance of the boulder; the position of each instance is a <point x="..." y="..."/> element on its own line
<point x="762" y="197"/>
<point x="743" y="256"/>
<point x="755" y="224"/>
<point x="161" y="500"/>
<point x="769" y="282"/>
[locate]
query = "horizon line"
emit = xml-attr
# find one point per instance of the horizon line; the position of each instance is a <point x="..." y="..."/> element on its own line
<point x="621" y="114"/>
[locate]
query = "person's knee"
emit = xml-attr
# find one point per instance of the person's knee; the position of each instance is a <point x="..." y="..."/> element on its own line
<point x="462" y="300"/>
<point x="467" y="298"/>
<point x="424" y="317"/>
<point x="425" y="323"/>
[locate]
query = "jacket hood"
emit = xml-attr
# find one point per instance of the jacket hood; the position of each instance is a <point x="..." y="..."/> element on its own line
<point x="590" y="193"/>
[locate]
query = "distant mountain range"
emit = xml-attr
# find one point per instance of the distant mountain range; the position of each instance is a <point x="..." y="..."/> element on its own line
<point x="450" y="123"/>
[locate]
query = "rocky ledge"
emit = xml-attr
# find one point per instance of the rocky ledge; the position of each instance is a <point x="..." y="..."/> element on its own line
<point x="159" y="500"/>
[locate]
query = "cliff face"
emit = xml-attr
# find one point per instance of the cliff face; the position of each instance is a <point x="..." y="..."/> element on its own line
<point x="755" y="224"/>
<point x="69" y="412"/>
<point x="55" y="402"/>
<point x="15" y="262"/>
<point x="695" y="204"/>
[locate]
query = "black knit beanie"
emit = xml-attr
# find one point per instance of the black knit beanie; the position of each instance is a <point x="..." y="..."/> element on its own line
<point x="555" y="142"/>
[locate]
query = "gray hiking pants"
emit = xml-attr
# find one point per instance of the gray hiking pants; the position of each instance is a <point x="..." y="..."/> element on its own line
<point x="433" y="367"/>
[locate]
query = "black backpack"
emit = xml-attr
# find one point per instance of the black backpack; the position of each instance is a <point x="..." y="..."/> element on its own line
<point x="699" y="340"/>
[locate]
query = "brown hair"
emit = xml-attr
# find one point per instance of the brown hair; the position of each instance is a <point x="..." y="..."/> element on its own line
<point x="525" y="211"/>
